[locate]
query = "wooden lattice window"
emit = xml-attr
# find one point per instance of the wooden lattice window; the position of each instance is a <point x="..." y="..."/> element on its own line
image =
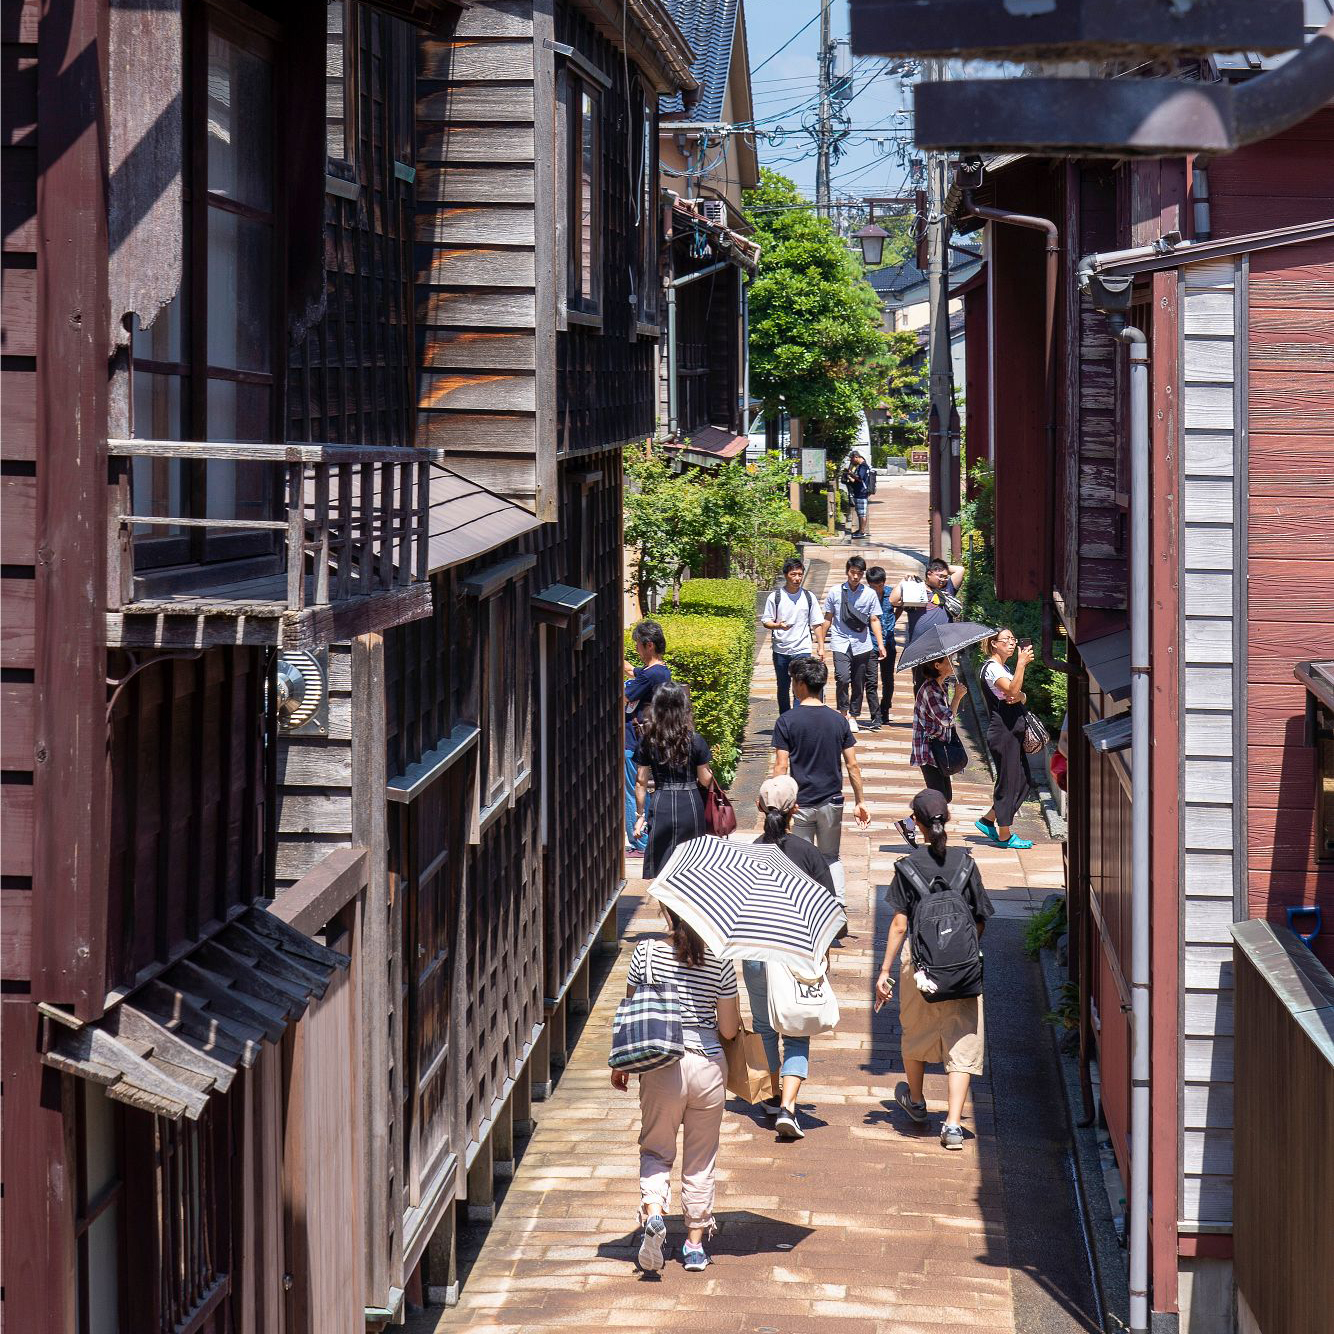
<point x="340" y="88"/>
<point x="584" y="208"/>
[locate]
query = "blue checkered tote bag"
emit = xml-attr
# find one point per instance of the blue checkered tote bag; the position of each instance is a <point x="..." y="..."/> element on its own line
<point x="646" y="1029"/>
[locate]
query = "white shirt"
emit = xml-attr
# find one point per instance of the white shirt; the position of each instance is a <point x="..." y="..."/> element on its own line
<point x="801" y="613"/>
<point x="845" y="638"/>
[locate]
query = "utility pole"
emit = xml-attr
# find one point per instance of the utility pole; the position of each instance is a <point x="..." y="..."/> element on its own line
<point x="825" y="132"/>
<point x="943" y="442"/>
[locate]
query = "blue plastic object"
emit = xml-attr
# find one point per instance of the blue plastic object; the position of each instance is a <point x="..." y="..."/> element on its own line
<point x="1311" y="915"/>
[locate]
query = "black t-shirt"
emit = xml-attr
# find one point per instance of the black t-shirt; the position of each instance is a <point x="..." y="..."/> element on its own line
<point x="805" y="856"/>
<point x="902" y="898"/>
<point x="699" y="754"/>
<point x="815" y="738"/>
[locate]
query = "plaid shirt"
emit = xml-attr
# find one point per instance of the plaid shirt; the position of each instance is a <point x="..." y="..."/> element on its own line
<point x="932" y="719"/>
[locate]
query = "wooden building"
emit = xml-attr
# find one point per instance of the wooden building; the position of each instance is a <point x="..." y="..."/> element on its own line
<point x="321" y="342"/>
<point x="1241" y="353"/>
<point x="706" y="165"/>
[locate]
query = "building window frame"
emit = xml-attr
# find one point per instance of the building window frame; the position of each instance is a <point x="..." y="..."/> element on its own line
<point x="584" y="175"/>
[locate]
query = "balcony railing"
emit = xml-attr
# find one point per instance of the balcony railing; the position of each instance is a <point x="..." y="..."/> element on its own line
<point x="350" y="553"/>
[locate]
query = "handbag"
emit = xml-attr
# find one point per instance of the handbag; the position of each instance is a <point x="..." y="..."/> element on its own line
<point x="1036" y="735"/>
<point x="948" y="753"/>
<point x="719" y="817"/>
<point x="747" y="1065"/>
<point x="646" y="1028"/>
<point x="953" y="606"/>
<point x="800" y="1007"/>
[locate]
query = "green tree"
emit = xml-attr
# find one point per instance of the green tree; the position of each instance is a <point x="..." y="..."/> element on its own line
<point x="663" y="520"/>
<point x="816" y="340"/>
<point x="746" y="512"/>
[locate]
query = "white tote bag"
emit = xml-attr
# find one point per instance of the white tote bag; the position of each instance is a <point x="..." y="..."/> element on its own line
<point x="800" y="1007"/>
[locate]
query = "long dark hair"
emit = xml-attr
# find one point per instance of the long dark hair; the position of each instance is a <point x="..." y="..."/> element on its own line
<point x="669" y="726"/>
<point x="686" y="945"/>
<point x="775" y="824"/>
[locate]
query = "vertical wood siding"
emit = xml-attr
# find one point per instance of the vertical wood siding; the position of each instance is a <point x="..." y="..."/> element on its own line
<point x="1290" y="603"/>
<point x="485" y="283"/>
<point x="1213" y="652"/>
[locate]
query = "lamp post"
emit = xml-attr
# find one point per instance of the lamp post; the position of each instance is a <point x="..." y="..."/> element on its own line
<point x="872" y="241"/>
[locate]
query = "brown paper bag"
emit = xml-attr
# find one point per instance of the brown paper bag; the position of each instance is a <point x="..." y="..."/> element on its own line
<point x="747" y="1065"/>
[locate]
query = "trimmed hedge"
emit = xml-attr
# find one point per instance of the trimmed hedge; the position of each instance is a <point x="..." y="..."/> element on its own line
<point x="713" y="655"/>
<point x="718" y="597"/>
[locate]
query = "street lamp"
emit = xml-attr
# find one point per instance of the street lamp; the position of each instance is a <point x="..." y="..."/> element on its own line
<point x="872" y="241"/>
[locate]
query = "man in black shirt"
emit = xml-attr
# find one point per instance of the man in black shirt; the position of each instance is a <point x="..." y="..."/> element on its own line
<point x="813" y="743"/>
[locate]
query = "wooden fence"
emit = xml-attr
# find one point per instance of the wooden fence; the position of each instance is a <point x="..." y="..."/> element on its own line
<point x="1284" y="1158"/>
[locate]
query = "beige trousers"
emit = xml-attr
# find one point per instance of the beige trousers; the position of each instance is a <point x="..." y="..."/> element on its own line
<point x="686" y="1097"/>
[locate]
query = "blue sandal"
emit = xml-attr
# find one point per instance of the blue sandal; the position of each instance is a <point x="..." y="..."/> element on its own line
<point x="1017" y="843"/>
<point x="987" y="828"/>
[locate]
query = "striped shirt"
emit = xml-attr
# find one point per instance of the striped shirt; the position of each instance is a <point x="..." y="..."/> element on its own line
<point x="699" y="990"/>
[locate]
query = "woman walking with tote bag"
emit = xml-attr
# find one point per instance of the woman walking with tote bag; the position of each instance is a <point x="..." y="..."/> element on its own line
<point x="686" y="1097"/>
<point x="778" y="804"/>
<point x="1005" y="735"/>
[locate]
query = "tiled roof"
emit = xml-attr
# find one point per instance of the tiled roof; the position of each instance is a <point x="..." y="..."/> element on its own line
<point x="710" y="28"/>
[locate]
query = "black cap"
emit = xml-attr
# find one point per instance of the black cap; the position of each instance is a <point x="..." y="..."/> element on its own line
<point x="929" y="807"/>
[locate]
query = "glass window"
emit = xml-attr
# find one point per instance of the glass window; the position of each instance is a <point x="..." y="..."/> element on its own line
<point x="240" y="292"/>
<point x="339" y="53"/>
<point x="239" y="124"/>
<point x="584" y="261"/>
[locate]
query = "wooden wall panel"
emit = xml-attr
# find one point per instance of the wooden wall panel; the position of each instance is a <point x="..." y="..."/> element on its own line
<point x="1290" y="597"/>
<point x="1285" y="176"/>
<point x="485" y="292"/>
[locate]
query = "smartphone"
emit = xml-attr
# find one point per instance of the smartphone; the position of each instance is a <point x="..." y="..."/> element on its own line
<point x="1025" y="643"/>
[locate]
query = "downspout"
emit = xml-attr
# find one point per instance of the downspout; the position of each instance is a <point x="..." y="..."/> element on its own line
<point x="1137" y="345"/>
<point x="1053" y="259"/>
<point x="671" y="285"/>
<point x="745" y="354"/>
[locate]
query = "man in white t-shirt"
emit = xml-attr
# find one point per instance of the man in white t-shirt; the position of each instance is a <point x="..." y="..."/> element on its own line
<point x="797" y="622"/>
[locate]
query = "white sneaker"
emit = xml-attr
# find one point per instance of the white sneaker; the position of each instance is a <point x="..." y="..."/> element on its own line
<point x="852" y="726"/>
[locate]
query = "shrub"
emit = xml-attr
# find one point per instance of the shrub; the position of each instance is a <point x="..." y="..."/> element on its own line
<point x="713" y="655"/>
<point x="719" y="597"/>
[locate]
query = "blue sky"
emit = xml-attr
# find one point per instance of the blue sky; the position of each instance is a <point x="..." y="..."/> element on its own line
<point x="784" y="89"/>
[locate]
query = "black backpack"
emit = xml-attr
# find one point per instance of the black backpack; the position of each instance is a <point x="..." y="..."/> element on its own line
<point x="870" y="482"/>
<point x="945" y="946"/>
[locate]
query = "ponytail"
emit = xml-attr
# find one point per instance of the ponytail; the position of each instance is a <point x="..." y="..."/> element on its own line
<point x="775" y="824"/>
<point x="936" y="838"/>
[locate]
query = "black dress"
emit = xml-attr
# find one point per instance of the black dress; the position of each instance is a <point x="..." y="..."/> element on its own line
<point x="676" y="809"/>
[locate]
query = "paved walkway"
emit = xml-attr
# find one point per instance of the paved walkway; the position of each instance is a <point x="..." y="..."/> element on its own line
<point x="867" y="1224"/>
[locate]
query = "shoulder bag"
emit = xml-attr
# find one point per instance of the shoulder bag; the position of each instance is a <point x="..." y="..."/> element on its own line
<point x="800" y="1007"/>
<point x="646" y="1028"/>
<point x="719" y="817"/>
<point x="1036" y="735"/>
<point x="948" y="753"/>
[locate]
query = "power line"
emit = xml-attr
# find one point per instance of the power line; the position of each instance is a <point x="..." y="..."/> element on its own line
<point x="785" y="45"/>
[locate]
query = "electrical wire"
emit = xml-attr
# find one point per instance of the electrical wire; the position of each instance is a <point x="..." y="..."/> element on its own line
<point x="785" y="45"/>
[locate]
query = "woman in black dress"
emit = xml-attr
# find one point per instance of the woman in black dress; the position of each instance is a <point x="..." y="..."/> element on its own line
<point x="677" y="758"/>
<point x="1004" y="690"/>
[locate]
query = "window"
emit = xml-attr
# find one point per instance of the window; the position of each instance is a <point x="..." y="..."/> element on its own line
<point x="1323" y="718"/>
<point x="210" y="365"/>
<point x="98" y="1190"/>
<point x="584" y="175"/>
<point x="505" y="763"/>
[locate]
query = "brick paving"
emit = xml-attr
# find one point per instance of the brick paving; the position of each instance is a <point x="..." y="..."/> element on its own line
<point x="865" y="1225"/>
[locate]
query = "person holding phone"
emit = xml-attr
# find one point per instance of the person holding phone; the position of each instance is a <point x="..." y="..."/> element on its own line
<point x="1004" y="691"/>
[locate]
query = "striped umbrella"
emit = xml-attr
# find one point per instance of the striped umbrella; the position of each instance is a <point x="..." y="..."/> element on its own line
<point x="748" y="901"/>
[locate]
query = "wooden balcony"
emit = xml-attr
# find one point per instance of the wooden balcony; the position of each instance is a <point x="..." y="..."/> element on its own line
<point x="349" y="555"/>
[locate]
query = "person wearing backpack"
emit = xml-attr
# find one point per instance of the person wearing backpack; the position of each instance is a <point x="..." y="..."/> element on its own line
<point x="940" y="910"/>
<point x="852" y="624"/>
<point x="682" y="1098"/>
<point x="794" y="616"/>
<point x="860" y="481"/>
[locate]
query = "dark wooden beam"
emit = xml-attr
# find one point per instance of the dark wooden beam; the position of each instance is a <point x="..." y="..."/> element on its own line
<point x="323" y="891"/>
<point x="70" y="742"/>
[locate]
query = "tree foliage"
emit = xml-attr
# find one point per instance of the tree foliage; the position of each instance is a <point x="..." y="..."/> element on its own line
<point x="816" y="340"/>
<point x="673" y="519"/>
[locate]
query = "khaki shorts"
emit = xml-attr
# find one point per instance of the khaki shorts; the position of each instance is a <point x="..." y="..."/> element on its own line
<point x="948" y="1032"/>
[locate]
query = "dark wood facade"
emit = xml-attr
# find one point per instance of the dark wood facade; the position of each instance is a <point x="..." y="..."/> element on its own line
<point x="449" y="827"/>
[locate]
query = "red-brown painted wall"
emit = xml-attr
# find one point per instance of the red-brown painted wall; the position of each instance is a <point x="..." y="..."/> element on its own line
<point x="1291" y="569"/>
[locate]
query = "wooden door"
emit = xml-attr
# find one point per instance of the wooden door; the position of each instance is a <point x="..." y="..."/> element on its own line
<point x="430" y="839"/>
<point x="322" y="1173"/>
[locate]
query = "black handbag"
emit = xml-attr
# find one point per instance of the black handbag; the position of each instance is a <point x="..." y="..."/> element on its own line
<point x="948" y="753"/>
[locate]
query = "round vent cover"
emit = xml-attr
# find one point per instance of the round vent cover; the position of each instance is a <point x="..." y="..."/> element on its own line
<point x="300" y="688"/>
